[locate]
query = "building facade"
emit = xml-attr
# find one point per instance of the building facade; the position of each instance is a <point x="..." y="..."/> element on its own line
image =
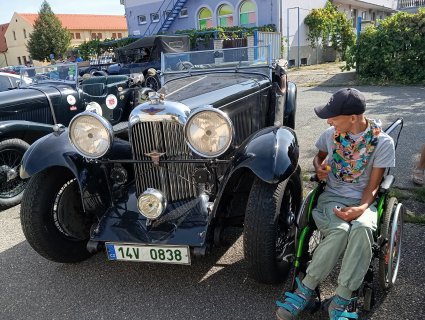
<point x="81" y="26"/>
<point x="147" y="17"/>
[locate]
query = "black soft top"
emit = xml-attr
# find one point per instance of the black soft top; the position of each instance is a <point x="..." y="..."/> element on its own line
<point x="155" y="45"/>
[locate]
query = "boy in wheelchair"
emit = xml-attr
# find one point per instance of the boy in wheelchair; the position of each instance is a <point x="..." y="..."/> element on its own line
<point x="353" y="155"/>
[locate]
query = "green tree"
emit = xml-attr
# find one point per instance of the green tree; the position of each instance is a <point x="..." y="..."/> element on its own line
<point x="48" y="37"/>
<point x="330" y="26"/>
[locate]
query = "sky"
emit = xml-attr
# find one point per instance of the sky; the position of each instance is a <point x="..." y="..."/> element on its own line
<point x="8" y="7"/>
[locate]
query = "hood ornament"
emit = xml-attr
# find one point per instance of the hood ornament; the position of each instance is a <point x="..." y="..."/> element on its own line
<point x="152" y="110"/>
<point x="156" y="98"/>
<point x="155" y="155"/>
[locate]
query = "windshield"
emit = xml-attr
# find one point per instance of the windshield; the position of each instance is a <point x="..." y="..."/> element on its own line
<point x="64" y="73"/>
<point x="233" y="59"/>
<point x="248" y="59"/>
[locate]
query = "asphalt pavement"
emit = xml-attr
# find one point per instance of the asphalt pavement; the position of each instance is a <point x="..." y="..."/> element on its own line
<point x="215" y="287"/>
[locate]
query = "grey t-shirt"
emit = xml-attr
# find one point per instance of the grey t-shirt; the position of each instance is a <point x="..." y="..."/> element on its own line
<point x="382" y="157"/>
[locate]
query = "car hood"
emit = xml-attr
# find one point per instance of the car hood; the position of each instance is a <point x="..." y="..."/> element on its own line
<point x="215" y="89"/>
<point x="18" y="99"/>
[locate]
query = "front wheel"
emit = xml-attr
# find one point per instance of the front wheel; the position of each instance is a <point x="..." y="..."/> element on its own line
<point x="53" y="219"/>
<point x="11" y="185"/>
<point x="153" y="82"/>
<point x="269" y="228"/>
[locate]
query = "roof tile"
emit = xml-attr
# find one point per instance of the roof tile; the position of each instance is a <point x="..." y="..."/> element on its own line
<point x="85" y="21"/>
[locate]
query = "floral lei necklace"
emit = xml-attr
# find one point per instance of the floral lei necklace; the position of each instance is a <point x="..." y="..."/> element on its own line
<point x="350" y="157"/>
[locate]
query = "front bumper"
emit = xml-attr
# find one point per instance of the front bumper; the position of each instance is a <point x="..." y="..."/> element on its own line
<point x="183" y="223"/>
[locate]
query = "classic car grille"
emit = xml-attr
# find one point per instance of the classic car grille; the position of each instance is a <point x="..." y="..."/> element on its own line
<point x="174" y="179"/>
<point x="43" y="115"/>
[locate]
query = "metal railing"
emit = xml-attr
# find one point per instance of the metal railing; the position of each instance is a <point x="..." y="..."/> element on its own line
<point x="410" y="3"/>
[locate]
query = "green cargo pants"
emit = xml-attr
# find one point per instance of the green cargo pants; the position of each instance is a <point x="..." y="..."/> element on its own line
<point x="355" y="238"/>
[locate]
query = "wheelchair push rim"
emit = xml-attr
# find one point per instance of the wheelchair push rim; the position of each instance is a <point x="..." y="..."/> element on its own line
<point x="390" y="260"/>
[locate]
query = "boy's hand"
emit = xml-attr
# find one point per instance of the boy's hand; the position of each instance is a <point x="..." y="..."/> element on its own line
<point x="349" y="213"/>
<point x="323" y="171"/>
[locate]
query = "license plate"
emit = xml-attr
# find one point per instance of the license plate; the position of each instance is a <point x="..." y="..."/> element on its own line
<point x="148" y="253"/>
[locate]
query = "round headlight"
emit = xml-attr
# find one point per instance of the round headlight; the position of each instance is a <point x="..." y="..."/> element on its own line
<point x="151" y="203"/>
<point x="90" y="134"/>
<point x="209" y="132"/>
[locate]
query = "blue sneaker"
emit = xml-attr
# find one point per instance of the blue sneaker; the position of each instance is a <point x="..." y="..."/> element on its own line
<point x="338" y="309"/>
<point x="294" y="302"/>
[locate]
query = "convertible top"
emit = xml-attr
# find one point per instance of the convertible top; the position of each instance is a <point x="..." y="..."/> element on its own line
<point x="155" y="44"/>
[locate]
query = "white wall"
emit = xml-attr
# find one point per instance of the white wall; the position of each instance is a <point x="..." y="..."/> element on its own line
<point x="296" y="27"/>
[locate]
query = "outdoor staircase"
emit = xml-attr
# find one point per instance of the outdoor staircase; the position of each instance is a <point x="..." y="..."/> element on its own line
<point x="174" y="7"/>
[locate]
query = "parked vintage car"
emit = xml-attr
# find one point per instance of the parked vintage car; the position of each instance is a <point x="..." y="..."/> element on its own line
<point x="144" y="56"/>
<point x="53" y="95"/>
<point x="214" y="148"/>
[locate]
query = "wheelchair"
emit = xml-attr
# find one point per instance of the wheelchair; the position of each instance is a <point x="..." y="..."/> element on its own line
<point x="387" y="238"/>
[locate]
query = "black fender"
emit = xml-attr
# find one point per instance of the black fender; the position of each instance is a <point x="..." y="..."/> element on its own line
<point x="55" y="150"/>
<point x="271" y="154"/>
<point x="27" y="131"/>
<point x="290" y="106"/>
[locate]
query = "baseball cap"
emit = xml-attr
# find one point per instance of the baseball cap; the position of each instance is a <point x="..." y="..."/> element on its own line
<point x="345" y="101"/>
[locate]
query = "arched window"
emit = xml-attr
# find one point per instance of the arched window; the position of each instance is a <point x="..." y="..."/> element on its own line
<point x="205" y="18"/>
<point x="248" y="14"/>
<point x="225" y="16"/>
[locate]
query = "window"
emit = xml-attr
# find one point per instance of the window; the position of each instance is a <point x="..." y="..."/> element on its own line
<point x="354" y="17"/>
<point x="205" y="18"/>
<point x="114" y="35"/>
<point x="364" y="15"/>
<point x="93" y="36"/>
<point x="99" y="36"/>
<point x="25" y="33"/>
<point x="248" y="14"/>
<point x="167" y="14"/>
<point x="373" y="16"/>
<point x="119" y="35"/>
<point x="14" y="35"/>
<point x="155" y="17"/>
<point x="225" y="16"/>
<point x="4" y="83"/>
<point x="24" y="58"/>
<point x="77" y="35"/>
<point x="142" y="19"/>
<point x="183" y="13"/>
<point x="72" y="36"/>
<point x="19" y="61"/>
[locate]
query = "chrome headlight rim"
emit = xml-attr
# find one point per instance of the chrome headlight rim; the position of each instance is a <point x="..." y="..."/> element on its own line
<point x="222" y="114"/>
<point x="160" y="196"/>
<point x="105" y="123"/>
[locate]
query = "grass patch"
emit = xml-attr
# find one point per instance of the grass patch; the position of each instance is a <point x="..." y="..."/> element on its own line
<point x="419" y="194"/>
<point x="414" y="219"/>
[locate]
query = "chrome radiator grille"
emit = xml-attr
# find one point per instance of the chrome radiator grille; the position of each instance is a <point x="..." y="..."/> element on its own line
<point x="175" y="179"/>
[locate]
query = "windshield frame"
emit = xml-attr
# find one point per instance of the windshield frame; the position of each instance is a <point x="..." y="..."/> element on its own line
<point x="49" y="74"/>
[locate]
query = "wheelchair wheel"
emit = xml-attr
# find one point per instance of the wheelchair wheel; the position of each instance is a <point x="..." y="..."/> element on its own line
<point x="391" y="232"/>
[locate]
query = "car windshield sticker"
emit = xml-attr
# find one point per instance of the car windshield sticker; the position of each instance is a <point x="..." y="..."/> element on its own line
<point x="94" y="107"/>
<point x="71" y="99"/>
<point x="111" y="101"/>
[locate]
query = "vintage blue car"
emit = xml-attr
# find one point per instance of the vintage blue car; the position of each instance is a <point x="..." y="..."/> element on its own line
<point x="213" y="149"/>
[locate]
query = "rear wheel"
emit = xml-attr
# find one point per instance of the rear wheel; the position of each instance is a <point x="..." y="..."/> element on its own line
<point x="53" y="219"/>
<point x="269" y="228"/>
<point x="11" y="185"/>
<point x="391" y="232"/>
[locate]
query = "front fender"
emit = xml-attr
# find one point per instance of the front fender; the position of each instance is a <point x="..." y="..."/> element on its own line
<point x="271" y="154"/>
<point x="25" y="130"/>
<point x="290" y="106"/>
<point x="56" y="151"/>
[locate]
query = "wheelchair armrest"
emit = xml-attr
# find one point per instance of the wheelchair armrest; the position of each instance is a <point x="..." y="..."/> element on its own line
<point x="386" y="183"/>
